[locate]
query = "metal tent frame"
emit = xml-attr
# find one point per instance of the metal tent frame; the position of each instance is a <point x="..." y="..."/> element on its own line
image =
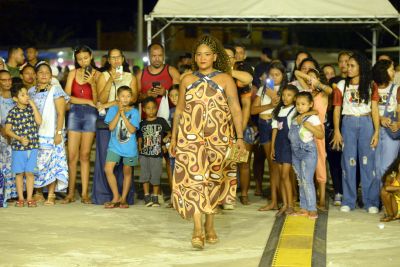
<point x="337" y="20"/>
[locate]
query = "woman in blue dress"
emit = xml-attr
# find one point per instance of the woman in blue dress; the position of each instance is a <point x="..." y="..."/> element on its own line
<point x="7" y="187"/>
<point x="52" y="161"/>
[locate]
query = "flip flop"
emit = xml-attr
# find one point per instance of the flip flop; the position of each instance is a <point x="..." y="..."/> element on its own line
<point x="111" y="205"/>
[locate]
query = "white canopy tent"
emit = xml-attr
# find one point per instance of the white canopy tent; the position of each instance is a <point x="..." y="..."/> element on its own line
<point x="368" y="12"/>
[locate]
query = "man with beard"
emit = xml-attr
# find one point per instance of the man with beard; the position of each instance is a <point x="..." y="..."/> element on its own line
<point x="155" y="79"/>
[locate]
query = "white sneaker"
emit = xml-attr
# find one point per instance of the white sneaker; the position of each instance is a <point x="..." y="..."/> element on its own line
<point x="228" y="207"/>
<point x="338" y="200"/>
<point x="373" y="210"/>
<point x="345" y="209"/>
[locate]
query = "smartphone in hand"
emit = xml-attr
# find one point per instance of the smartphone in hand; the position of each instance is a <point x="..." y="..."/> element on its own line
<point x="156" y="84"/>
<point x="88" y="71"/>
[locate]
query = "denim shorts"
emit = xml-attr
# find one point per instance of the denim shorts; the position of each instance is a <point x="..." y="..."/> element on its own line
<point x="24" y="161"/>
<point x="250" y="135"/>
<point x="265" y="129"/>
<point x="128" y="161"/>
<point x="82" y="118"/>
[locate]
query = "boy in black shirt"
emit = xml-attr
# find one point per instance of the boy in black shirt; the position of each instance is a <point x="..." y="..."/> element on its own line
<point x="152" y="130"/>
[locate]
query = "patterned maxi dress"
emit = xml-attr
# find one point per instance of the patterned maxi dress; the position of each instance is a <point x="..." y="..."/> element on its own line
<point x="9" y="188"/>
<point x="52" y="160"/>
<point x="202" y="177"/>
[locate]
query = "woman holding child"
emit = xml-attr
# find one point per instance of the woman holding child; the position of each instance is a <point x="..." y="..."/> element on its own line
<point x="208" y="108"/>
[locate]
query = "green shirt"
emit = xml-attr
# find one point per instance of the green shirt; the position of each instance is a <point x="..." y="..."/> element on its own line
<point x="14" y="72"/>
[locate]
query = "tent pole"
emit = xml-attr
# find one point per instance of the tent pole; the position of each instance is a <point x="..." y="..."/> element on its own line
<point x="373" y="46"/>
<point x="149" y="38"/>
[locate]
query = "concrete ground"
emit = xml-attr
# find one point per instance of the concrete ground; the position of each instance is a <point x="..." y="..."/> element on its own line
<point x="89" y="235"/>
<point x="355" y="239"/>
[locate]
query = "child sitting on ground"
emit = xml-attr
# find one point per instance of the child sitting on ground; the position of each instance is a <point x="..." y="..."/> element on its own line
<point x="22" y="126"/>
<point x="152" y="130"/>
<point x="123" y="121"/>
<point x="390" y="192"/>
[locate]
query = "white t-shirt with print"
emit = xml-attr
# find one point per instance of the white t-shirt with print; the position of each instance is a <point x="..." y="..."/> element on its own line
<point x="265" y="99"/>
<point x="352" y="104"/>
<point x="305" y="134"/>
<point x="383" y="95"/>
<point x="284" y="113"/>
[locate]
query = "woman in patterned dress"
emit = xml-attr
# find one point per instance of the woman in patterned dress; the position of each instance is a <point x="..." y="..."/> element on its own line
<point x="208" y="108"/>
<point x="52" y="160"/>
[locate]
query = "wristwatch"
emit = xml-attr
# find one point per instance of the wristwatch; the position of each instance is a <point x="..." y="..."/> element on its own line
<point x="59" y="132"/>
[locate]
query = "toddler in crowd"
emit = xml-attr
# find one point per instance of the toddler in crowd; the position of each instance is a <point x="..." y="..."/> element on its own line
<point x="123" y="121"/>
<point x="152" y="130"/>
<point x="22" y="126"/>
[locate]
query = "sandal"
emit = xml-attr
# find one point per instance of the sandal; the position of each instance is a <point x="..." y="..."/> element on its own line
<point x="289" y="211"/>
<point x="20" y="203"/>
<point x="198" y="242"/>
<point x="244" y="200"/>
<point x="51" y="200"/>
<point x="68" y="199"/>
<point x="386" y="218"/>
<point x="301" y="212"/>
<point x="86" y="200"/>
<point x="32" y="204"/>
<point x="38" y="197"/>
<point x="281" y="211"/>
<point x="313" y="216"/>
<point x="268" y="207"/>
<point x="123" y="205"/>
<point x="111" y="205"/>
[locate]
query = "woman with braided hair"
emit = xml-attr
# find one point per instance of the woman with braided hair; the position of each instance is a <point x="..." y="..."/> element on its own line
<point x="208" y="108"/>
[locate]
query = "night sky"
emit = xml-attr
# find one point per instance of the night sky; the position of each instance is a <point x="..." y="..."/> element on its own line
<point x="56" y="23"/>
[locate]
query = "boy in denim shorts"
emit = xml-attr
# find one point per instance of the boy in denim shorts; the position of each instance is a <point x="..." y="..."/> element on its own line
<point x="22" y="126"/>
<point x="123" y="120"/>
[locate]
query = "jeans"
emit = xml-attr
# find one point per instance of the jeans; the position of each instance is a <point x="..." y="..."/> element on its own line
<point x="304" y="162"/>
<point x="357" y="133"/>
<point x="386" y="152"/>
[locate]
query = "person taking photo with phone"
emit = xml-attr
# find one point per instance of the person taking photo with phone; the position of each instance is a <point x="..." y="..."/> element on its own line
<point x="81" y="86"/>
<point x="116" y="74"/>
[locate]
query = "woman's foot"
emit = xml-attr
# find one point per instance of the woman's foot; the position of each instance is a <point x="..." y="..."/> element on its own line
<point x="322" y="207"/>
<point x="211" y="235"/>
<point x="123" y="204"/>
<point x="86" y="200"/>
<point x="38" y="197"/>
<point x="198" y="240"/>
<point x="244" y="200"/>
<point x="269" y="207"/>
<point x="281" y="211"/>
<point x="386" y="218"/>
<point x="289" y="211"/>
<point x="68" y="199"/>
<point x="51" y="200"/>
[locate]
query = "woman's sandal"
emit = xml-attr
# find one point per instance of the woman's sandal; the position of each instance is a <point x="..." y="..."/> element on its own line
<point x="68" y="199"/>
<point x="111" y="205"/>
<point x="198" y="241"/>
<point x="289" y="211"/>
<point x="386" y="218"/>
<point x="313" y="216"/>
<point x="86" y="200"/>
<point x="38" y="197"/>
<point x="31" y="204"/>
<point x="20" y="203"/>
<point x="244" y="200"/>
<point x="51" y="200"/>
<point x="268" y="207"/>
<point x="123" y="205"/>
